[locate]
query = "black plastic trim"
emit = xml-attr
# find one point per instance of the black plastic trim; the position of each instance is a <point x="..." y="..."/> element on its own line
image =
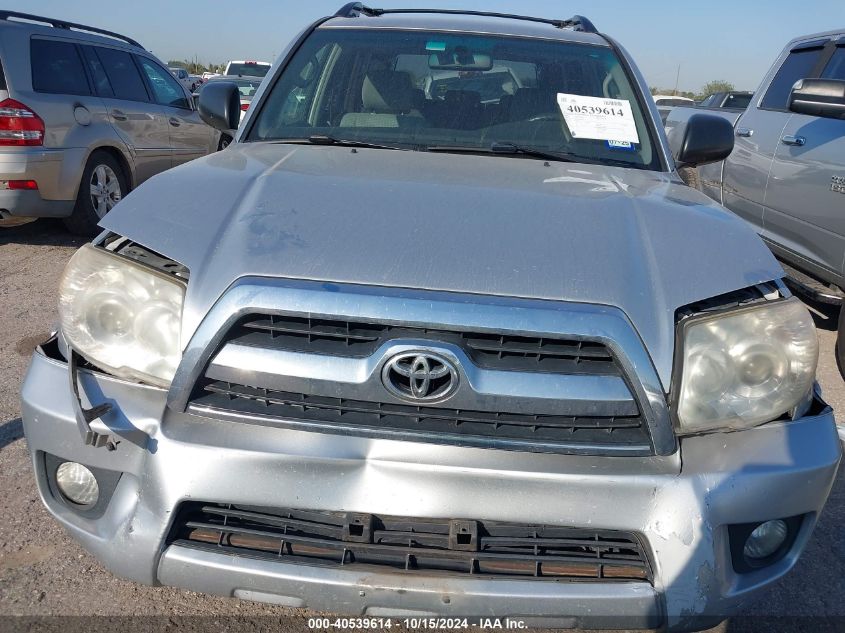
<point x="463" y="547"/>
<point x="739" y="533"/>
<point x="576" y="22"/>
<point x="805" y="46"/>
<point x="106" y="480"/>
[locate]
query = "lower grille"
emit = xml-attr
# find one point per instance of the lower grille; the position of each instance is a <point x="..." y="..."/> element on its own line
<point x="432" y="424"/>
<point x="457" y="547"/>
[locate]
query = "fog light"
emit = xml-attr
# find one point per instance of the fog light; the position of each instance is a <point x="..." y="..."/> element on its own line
<point x="765" y="540"/>
<point x="77" y="484"/>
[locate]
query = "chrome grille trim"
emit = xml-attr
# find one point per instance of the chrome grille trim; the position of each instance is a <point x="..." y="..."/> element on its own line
<point x="358" y="379"/>
<point x="472" y="313"/>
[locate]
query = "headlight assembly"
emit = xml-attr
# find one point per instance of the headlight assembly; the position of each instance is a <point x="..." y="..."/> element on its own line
<point x="122" y="316"/>
<point x="745" y="367"/>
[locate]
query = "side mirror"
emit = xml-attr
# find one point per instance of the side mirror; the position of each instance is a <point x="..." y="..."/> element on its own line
<point x="706" y="138"/>
<point x="819" y="97"/>
<point x="220" y="106"/>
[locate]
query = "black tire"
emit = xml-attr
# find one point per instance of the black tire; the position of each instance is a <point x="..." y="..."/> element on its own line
<point x="85" y="215"/>
<point x="690" y="176"/>
<point x="225" y="139"/>
<point x="840" y="342"/>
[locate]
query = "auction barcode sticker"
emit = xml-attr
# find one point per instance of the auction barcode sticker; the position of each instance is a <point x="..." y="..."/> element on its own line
<point x="598" y="118"/>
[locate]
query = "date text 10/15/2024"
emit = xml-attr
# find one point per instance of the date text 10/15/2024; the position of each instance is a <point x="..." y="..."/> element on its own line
<point x="417" y="623"/>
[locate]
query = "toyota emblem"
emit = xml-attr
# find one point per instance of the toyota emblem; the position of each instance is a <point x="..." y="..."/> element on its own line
<point x="420" y="376"/>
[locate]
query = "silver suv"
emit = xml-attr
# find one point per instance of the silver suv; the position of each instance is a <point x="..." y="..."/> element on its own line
<point x="86" y="116"/>
<point x="438" y="352"/>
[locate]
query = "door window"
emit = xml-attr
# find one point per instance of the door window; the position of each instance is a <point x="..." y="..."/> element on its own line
<point x="835" y="68"/>
<point x="57" y="68"/>
<point x="166" y="90"/>
<point x="123" y="75"/>
<point x="97" y="72"/>
<point x="797" y="66"/>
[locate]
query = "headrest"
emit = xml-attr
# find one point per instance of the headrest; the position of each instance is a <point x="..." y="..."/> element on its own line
<point x="465" y="98"/>
<point x="528" y="102"/>
<point x="387" y="91"/>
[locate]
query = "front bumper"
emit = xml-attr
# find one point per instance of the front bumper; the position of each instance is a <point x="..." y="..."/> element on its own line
<point x="680" y="504"/>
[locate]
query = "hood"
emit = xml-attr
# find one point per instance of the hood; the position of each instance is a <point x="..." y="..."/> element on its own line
<point x="634" y="239"/>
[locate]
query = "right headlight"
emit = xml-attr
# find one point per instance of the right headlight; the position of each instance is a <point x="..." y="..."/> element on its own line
<point x="745" y="367"/>
<point x="121" y="315"/>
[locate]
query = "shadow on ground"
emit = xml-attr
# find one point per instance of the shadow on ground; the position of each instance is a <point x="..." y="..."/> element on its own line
<point x="11" y="432"/>
<point x="42" y="232"/>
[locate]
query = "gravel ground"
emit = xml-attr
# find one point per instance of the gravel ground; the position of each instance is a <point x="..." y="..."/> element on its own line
<point x="44" y="573"/>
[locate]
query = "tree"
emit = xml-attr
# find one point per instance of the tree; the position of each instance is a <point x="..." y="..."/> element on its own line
<point x="717" y="85"/>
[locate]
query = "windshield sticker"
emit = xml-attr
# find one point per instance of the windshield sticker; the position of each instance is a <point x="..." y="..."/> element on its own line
<point x="622" y="145"/>
<point x="598" y="118"/>
<point x="435" y="46"/>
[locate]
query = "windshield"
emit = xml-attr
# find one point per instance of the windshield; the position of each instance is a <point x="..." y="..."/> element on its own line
<point x="248" y="69"/>
<point x="739" y="101"/>
<point x="421" y="90"/>
<point x="246" y="87"/>
<point x="673" y="102"/>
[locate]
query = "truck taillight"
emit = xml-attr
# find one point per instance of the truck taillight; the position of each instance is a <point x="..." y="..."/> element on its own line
<point x="19" y="126"/>
<point x="244" y="107"/>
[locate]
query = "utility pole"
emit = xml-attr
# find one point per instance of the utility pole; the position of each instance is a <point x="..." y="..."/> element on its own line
<point x="677" y="78"/>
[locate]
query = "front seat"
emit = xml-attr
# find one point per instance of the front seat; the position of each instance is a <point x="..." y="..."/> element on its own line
<point x="387" y="98"/>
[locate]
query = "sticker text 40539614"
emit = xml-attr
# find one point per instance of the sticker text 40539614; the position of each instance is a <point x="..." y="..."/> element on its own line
<point x="598" y="118"/>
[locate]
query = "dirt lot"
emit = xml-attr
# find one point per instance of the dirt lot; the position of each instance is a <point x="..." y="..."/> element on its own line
<point x="43" y="572"/>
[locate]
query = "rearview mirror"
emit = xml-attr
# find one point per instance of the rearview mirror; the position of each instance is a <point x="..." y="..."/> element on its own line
<point x="706" y="138"/>
<point x="459" y="58"/>
<point x="220" y="106"/>
<point x="819" y="97"/>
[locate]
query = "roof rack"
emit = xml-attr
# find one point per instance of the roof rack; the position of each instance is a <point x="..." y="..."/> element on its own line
<point x="576" y="22"/>
<point x="62" y="24"/>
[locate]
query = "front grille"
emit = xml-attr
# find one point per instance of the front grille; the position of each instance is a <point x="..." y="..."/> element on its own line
<point x="336" y="337"/>
<point x="457" y="547"/>
<point x="517" y="431"/>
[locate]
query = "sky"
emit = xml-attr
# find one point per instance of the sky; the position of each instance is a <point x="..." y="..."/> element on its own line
<point x="734" y="40"/>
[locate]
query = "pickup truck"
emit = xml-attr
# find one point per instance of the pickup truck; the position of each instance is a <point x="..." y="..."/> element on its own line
<point x="408" y="354"/>
<point x="786" y="174"/>
<point x="733" y="100"/>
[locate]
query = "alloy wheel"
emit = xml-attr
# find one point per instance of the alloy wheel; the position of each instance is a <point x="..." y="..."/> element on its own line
<point x="105" y="189"/>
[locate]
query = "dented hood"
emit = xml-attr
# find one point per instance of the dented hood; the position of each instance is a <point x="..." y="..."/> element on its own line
<point x="634" y="239"/>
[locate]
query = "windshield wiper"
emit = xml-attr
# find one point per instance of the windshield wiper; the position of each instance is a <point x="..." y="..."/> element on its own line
<point x="506" y="149"/>
<point x="534" y="152"/>
<point x="325" y="139"/>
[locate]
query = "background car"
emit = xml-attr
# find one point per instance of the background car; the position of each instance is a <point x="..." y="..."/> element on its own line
<point x="786" y="175"/>
<point x="184" y="78"/>
<point x="86" y="115"/>
<point x="672" y="100"/>
<point x="247" y="68"/>
<point x="731" y="99"/>
<point x="665" y="103"/>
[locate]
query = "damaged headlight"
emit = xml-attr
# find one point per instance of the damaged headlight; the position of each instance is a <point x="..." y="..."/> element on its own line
<point x="121" y="315"/>
<point x="745" y="367"/>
